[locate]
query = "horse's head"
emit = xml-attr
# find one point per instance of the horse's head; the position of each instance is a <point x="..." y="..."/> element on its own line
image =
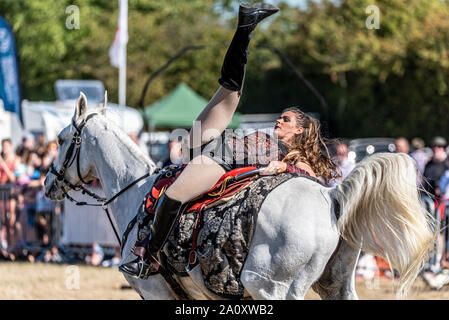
<point x="72" y="167"/>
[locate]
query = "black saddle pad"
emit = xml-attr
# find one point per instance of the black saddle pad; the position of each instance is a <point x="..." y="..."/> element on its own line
<point x="224" y="238"/>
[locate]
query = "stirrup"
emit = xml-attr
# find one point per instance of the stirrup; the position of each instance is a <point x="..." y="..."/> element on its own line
<point x="145" y="269"/>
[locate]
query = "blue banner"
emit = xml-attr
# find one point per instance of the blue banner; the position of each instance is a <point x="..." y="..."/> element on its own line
<point x="9" y="72"/>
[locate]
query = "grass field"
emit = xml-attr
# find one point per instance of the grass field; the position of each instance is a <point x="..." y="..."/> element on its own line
<point x="61" y="282"/>
<point x="67" y="282"/>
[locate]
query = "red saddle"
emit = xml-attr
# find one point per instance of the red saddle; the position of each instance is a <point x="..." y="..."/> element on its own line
<point x="225" y="186"/>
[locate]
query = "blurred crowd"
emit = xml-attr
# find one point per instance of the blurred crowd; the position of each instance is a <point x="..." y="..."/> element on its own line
<point x="433" y="182"/>
<point x="27" y="216"/>
<point x="432" y="164"/>
<point x="30" y="223"/>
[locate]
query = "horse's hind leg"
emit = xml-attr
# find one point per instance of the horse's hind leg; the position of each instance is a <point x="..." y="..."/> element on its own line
<point x="278" y="279"/>
<point x="261" y="287"/>
<point x="308" y="274"/>
<point x="264" y="276"/>
<point x="337" y="280"/>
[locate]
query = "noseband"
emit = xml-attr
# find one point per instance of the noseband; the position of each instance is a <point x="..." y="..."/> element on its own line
<point x="73" y="153"/>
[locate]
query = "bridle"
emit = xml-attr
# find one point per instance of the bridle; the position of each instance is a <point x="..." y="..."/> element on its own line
<point x="72" y="155"/>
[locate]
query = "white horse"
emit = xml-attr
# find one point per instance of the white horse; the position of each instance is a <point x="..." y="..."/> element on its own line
<point x="306" y="236"/>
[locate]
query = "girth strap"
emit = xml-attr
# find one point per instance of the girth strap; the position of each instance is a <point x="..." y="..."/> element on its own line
<point x="174" y="285"/>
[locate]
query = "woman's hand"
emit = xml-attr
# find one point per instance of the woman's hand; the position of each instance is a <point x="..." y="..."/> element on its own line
<point x="275" y="167"/>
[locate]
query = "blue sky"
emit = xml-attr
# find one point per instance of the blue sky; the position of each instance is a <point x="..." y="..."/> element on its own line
<point x="229" y="13"/>
<point x="299" y="3"/>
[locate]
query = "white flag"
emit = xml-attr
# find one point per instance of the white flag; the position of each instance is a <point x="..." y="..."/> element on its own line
<point x="117" y="52"/>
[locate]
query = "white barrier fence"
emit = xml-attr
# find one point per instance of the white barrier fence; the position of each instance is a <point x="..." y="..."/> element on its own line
<point x="84" y="225"/>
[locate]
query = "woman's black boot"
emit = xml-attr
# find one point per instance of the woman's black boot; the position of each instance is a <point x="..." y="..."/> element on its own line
<point x="166" y="213"/>
<point x="234" y="64"/>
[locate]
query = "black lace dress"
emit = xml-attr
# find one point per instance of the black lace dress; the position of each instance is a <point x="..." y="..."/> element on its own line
<point x="231" y="151"/>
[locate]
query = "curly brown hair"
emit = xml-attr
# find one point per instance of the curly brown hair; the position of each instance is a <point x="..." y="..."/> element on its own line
<point x="309" y="146"/>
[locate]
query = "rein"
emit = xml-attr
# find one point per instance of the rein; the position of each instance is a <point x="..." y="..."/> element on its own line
<point x="73" y="153"/>
<point x="75" y="148"/>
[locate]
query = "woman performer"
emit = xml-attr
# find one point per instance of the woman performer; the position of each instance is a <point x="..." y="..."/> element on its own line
<point x="298" y="148"/>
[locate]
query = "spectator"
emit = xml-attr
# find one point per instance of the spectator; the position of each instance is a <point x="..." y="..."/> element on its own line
<point x="24" y="176"/>
<point x="45" y="254"/>
<point x="5" y="255"/>
<point x="28" y="144"/>
<point x="7" y="167"/>
<point x="51" y="255"/>
<point x="367" y="267"/>
<point x="13" y="229"/>
<point x="27" y="169"/>
<point x="444" y="184"/>
<point x="402" y="145"/>
<point x="97" y="255"/>
<point x="42" y="225"/>
<point x="344" y="164"/>
<point x="135" y="138"/>
<point x="434" y="183"/>
<point x="114" y="261"/>
<point x="29" y="192"/>
<point x="51" y="153"/>
<point x="45" y="210"/>
<point x="7" y="162"/>
<point x="420" y="156"/>
<point x="57" y="223"/>
<point x="436" y="167"/>
<point x="33" y="164"/>
<point x="41" y="147"/>
<point x="175" y="154"/>
<point x="21" y="173"/>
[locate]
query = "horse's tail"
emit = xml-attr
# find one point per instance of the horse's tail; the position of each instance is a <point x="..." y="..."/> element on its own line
<point x="382" y="214"/>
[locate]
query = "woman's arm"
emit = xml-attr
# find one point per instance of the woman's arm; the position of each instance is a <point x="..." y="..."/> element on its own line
<point x="305" y="167"/>
<point x="275" y="167"/>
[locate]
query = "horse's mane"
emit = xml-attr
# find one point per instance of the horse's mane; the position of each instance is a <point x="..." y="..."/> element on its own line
<point x="132" y="147"/>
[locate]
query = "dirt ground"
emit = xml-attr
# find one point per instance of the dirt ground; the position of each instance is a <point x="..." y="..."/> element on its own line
<point x="67" y="282"/>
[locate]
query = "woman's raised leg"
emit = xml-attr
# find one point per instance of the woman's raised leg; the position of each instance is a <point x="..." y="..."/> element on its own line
<point x="197" y="178"/>
<point x="202" y="173"/>
<point x="214" y="118"/>
<point x="218" y="113"/>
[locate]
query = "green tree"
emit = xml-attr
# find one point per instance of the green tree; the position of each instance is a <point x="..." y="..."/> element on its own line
<point x="157" y="30"/>
<point x="389" y="81"/>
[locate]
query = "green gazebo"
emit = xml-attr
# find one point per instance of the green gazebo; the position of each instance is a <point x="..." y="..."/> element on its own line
<point x="179" y="109"/>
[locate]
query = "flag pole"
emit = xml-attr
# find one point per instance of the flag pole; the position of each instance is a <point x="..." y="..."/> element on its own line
<point x="122" y="80"/>
<point x="124" y="35"/>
